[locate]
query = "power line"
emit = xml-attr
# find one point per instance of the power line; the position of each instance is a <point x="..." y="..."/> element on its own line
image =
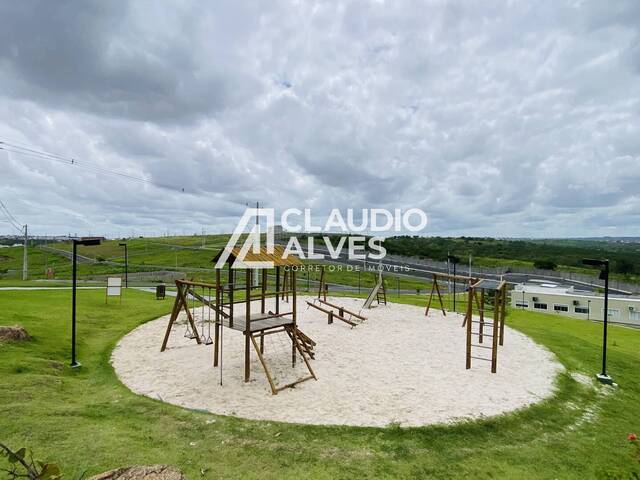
<point x="12" y="147"/>
<point x="10" y="218"/>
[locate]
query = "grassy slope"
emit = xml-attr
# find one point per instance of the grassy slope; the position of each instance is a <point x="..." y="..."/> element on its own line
<point x="493" y="252"/>
<point x="185" y="253"/>
<point x="147" y="252"/>
<point x="84" y="419"/>
<point x="143" y="252"/>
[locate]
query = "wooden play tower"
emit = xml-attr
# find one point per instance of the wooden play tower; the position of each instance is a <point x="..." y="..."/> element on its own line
<point x="255" y="322"/>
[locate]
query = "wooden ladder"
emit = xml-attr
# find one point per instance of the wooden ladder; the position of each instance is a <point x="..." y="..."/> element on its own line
<point x="381" y="296"/>
<point x="298" y="345"/>
<point x="476" y="330"/>
<point x="305" y="342"/>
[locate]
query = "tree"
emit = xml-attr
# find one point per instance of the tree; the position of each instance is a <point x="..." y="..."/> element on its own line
<point x="545" y="264"/>
<point x="623" y="266"/>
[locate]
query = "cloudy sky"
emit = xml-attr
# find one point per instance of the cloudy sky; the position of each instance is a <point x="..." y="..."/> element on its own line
<point x="507" y="118"/>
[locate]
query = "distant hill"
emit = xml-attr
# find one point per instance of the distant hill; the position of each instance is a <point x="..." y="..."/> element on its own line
<point x="623" y="252"/>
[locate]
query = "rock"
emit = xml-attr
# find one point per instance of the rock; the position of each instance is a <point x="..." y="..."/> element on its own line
<point x="15" y="333"/>
<point x="142" y="472"/>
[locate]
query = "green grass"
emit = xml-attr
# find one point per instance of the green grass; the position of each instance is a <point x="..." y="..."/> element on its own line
<point x="190" y="253"/>
<point x="145" y="254"/>
<point x="183" y="253"/>
<point x="86" y="421"/>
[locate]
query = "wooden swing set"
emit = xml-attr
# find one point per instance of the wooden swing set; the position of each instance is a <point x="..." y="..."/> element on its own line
<point x="333" y="311"/>
<point x="254" y="325"/>
<point x="435" y="288"/>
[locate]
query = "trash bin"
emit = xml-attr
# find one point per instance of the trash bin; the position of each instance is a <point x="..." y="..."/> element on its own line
<point x="160" y="292"/>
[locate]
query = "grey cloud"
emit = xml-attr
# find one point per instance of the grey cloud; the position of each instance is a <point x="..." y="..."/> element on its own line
<point x="106" y="58"/>
<point x="501" y="119"/>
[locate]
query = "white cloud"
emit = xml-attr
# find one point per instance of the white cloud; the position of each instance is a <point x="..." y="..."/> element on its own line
<point x="512" y="118"/>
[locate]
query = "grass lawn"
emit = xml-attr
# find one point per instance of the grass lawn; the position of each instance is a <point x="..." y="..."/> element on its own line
<point x="87" y="422"/>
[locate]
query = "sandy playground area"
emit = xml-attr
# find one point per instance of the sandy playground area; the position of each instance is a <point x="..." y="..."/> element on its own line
<point x="398" y="367"/>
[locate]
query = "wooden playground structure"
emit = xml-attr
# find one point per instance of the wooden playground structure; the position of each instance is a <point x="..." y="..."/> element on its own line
<point x="221" y="309"/>
<point x="254" y="325"/>
<point x="496" y="292"/>
<point x="490" y="298"/>
<point x="435" y="288"/>
<point x="378" y="293"/>
<point x="334" y="311"/>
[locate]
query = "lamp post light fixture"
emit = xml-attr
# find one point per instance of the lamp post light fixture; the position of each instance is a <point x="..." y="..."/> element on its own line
<point x="603" y="264"/>
<point x="455" y="260"/>
<point x="87" y="241"/>
<point x="126" y="264"/>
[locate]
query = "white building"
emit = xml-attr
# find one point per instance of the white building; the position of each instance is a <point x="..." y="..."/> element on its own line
<point x="563" y="300"/>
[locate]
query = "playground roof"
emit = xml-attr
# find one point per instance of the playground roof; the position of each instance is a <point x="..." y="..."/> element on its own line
<point x="488" y="284"/>
<point x="276" y="258"/>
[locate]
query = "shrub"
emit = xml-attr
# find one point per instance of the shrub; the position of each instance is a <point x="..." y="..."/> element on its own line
<point x="545" y="264"/>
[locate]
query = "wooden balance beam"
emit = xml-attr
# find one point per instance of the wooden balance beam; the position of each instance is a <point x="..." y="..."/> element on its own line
<point x="331" y="315"/>
<point x="342" y="309"/>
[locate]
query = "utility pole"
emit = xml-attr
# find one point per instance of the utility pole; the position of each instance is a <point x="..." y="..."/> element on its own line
<point x="25" y="260"/>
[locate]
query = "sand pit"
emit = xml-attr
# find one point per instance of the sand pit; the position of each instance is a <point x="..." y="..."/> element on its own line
<point x="398" y="367"/>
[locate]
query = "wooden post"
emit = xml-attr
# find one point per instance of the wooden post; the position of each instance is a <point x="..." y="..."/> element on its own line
<point x="285" y="284"/>
<point x="481" y="315"/>
<point x="263" y="297"/>
<point x="174" y="315"/>
<point x="321" y="284"/>
<point x="426" y="312"/>
<point x="274" y="391"/>
<point x="468" y="314"/>
<point x="263" y="291"/>
<point x="231" y="284"/>
<point x="247" y="327"/>
<point x="496" y="321"/>
<point x="330" y="317"/>
<point x="503" y="312"/>
<point x="469" y="321"/>
<point x="262" y="341"/>
<point x="216" y="331"/>
<point x="435" y="283"/>
<point x="277" y="290"/>
<point x="292" y="274"/>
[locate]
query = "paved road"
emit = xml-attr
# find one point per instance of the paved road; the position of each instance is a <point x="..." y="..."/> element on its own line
<point x="49" y="288"/>
<point x="414" y="269"/>
<point x="396" y="267"/>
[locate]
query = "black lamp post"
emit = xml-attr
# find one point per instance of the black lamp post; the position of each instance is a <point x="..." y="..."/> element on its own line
<point x="604" y="275"/>
<point x="455" y="260"/>
<point x="82" y="241"/>
<point x="126" y="264"/>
